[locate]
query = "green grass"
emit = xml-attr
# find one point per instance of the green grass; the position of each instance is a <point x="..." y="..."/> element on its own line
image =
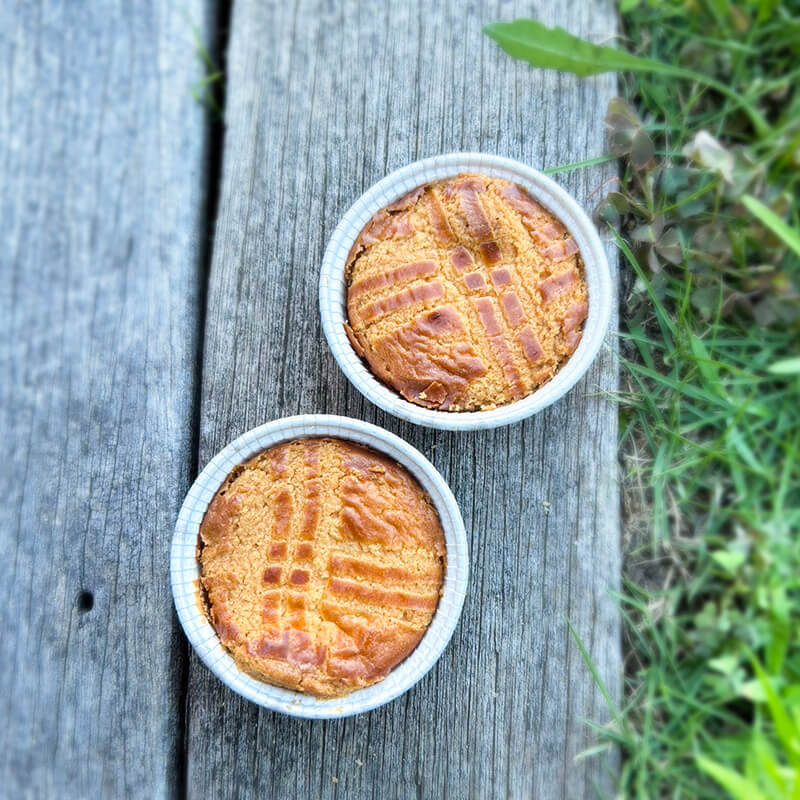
<point x="207" y="90"/>
<point x="707" y="219"/>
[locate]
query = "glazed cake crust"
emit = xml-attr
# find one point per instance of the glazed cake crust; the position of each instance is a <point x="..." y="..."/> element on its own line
<point x="465" y="294"/>
<point x="322" y="564"/>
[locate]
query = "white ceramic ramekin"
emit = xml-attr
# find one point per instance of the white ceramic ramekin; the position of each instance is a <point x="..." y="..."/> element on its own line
<point x="185" y="573"/>
<point x="333" y="292"/>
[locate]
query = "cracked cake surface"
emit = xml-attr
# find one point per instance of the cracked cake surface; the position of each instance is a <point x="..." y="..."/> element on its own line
<point x="465" y="294"/>
<point x="322" y="564"/>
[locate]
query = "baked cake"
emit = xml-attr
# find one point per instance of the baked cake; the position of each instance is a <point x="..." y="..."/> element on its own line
<point x="465" y="294"/>
<point x="322" y="564"/>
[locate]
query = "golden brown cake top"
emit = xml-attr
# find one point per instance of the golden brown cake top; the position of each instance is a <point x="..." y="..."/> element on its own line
<point x="322" y="563"/>
<point x="465" y="294"/>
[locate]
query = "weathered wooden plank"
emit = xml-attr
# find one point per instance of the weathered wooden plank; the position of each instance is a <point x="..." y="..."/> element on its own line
<point x="102" y="152"/>
<point x="324" y="99"/>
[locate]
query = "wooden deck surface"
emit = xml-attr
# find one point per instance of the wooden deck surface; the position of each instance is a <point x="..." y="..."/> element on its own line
<point x="125" y="364"/>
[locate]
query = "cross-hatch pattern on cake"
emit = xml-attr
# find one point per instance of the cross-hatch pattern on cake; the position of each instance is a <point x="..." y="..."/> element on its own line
<point x="322" y="564"/>
<point x="465" y="294"/>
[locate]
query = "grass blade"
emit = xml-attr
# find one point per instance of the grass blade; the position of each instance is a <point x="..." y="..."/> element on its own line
<point x="612" y="706"/>
<point x="767" y="217"/>
<point x="737" y="785"/>
<point x="787" y="366"/>
<point x="587" y="162"/>
<point x="784" y="725"/>
<point x="555" y="48"/>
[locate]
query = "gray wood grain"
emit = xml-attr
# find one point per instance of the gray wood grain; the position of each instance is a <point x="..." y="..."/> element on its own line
<point x="323" y="100"/>
<point x="102" y="182"/>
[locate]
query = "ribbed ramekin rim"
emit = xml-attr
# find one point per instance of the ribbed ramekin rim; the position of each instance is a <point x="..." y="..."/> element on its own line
<point x="332" y="290"/>
<point x="184" y="570"/>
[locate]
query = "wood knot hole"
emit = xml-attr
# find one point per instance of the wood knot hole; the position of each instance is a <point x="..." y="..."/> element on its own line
<point x="84" y="601"/>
